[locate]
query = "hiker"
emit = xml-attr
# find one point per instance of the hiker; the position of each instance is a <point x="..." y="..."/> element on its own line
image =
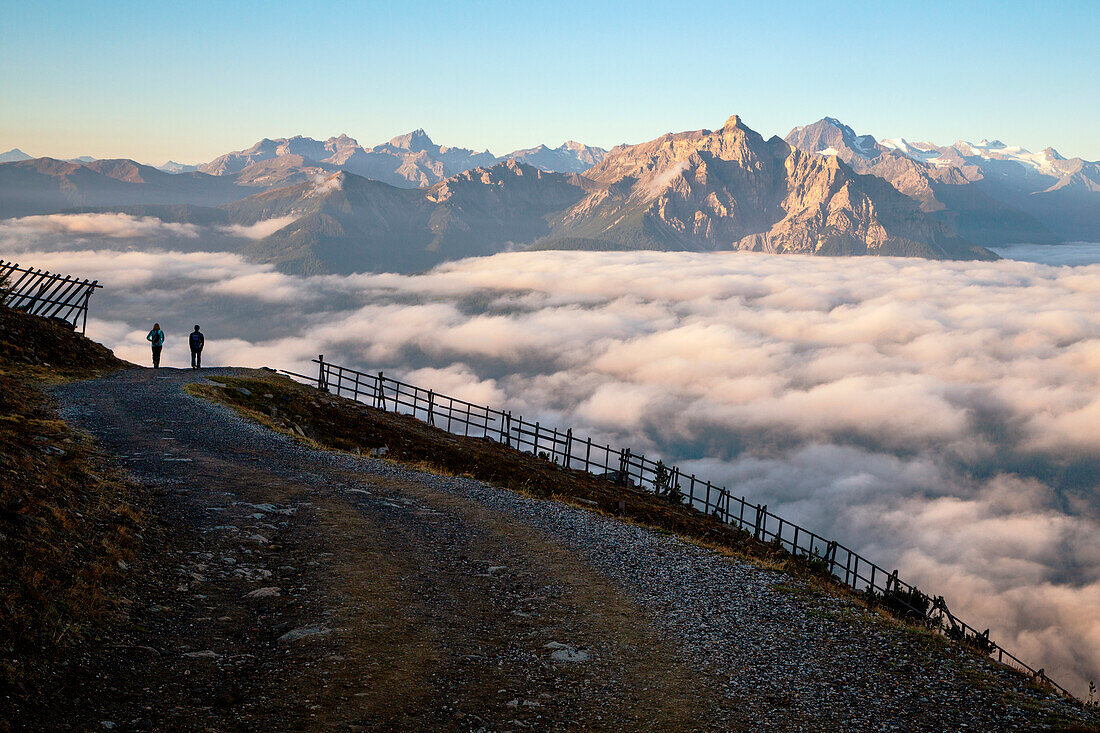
<point x="196" y="340"/>
<point x="156" y="338"/>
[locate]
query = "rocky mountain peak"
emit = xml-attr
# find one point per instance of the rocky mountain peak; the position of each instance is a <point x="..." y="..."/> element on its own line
<point x="414" y="141"/>
<point x="173" y="166"/>
<point x="13" y="155"/>
<point x="830" y="136"/>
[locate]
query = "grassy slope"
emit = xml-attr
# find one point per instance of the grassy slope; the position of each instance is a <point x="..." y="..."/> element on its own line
<point x="67" y="528"/>
<point x="341" y="424"/>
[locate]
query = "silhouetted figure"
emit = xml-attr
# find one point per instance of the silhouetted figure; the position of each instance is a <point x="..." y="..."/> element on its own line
<point x="156" y="338"/>
<point x="196" y="340"/>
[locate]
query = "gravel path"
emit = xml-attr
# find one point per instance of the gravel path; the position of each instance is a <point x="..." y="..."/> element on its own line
<point x="622" y="622"/>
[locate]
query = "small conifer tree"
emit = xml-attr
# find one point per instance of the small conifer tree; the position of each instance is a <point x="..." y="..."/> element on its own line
<point x="663" y="485"/>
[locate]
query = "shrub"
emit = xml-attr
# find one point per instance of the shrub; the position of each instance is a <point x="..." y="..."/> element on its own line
<point x="663" y="485"/>
<point x="907" y="603"/>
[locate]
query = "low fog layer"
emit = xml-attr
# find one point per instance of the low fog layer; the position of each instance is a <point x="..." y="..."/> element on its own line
<point x="938" y="417"/>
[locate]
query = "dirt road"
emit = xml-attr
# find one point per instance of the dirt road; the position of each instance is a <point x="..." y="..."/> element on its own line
<point x="293" y="589"/>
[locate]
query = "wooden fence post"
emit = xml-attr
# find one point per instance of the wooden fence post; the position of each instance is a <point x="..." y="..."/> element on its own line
<point x="568" y="445"/>
<point x="322" y="383"/>
<point x="759" y="525"/>
<point x="84" y="308"/>
<point x="431" y="407"/>
<point x="624" y="456"/>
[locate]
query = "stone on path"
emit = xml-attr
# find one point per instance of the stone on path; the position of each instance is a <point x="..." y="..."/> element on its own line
<point x="566" y="653"/>
<point x="302" y="632"/>
<point x="268" y="592"/>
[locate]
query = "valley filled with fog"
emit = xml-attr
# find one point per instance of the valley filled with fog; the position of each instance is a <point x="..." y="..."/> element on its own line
<point x="938" y="417"/>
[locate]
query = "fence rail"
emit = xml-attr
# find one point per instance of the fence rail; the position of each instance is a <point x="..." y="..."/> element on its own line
<point x="48" y="294"/>
<point x="626" y="468"/>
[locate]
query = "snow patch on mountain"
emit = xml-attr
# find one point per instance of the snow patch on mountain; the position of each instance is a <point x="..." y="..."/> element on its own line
<point x="922" y="152"/>
<point x="656" y="186"/>
<point x="997" y="150"/>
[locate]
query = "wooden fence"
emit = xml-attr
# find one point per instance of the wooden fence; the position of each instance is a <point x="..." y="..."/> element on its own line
<point x="43" y="293"/>
<point x="622" y="466"/>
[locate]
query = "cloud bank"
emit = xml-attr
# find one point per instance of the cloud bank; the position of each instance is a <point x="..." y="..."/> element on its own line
<point x="113" y="229"/>
<point x="108" y="225"/>
<point x="937" y="417"/>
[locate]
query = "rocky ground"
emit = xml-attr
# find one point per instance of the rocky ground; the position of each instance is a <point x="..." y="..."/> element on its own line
<point x="290" y="588"/>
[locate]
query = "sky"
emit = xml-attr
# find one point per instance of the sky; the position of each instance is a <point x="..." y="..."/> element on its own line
<point x="189" y="81"/>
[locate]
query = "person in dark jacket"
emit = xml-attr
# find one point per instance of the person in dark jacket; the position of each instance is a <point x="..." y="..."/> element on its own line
<point x="197" y="340"/>
<point x="156" y="338"/>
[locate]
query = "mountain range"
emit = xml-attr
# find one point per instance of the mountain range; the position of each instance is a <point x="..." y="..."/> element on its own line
<point x="411" y="160"/>
<point x="409" y="203"/>
<point x="992" y="193"/>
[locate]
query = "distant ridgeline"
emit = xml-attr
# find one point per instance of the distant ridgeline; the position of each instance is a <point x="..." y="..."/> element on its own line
<point x="333" y="206"/>
<point x="622" y="466"/>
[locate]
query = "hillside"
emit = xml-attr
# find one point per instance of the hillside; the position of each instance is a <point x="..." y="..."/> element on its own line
<point x="349" y="224"/>
<point x="68" y="524"/>
<point x="276" y="578"/>
<point x="46" y="185"/>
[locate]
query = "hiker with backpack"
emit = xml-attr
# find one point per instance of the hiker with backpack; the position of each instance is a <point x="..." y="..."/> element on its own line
<point x="156" y="338"/>
<point x="196" y="340"/>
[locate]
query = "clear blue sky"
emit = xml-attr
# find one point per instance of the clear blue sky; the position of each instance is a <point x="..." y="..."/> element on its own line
<point x="190" y="80"/>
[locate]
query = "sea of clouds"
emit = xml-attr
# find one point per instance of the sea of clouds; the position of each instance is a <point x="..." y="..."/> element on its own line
<point x="938" y="417"/>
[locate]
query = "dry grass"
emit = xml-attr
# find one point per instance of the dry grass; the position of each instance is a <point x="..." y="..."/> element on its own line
<point x="67" y="526"/>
